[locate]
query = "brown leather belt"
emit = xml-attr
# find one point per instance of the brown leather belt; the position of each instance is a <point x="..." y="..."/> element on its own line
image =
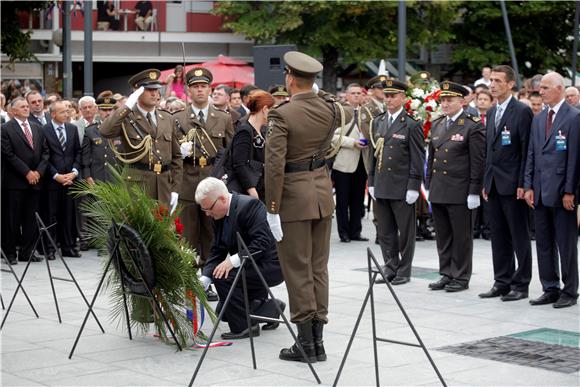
<point x="302" y="166"/>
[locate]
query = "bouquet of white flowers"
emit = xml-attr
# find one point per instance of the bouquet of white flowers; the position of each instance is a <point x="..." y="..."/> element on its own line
<point x="423" y="103"/>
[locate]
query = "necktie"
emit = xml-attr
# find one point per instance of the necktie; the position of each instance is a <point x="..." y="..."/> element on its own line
<point x="449" y="123"/>
<point x="42" y="119"/>
<point x="201" y="117"/>
<point x="549" y="123"/>
<point x="390" y="121"/>
<point x="150" y="120"/>
<point x="61" y="138"/>
<point x="482" y="118"/>
<point x="498" y="115"/>
<point x="28" y="134"/>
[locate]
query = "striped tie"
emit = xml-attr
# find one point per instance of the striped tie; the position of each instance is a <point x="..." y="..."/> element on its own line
<point x="28" y="134"/>
<point x="61" y="138"/>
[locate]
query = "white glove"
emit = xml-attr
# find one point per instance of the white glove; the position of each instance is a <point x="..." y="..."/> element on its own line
<point x="372" y="192"/>
<point x="473" y="201"/>
<point x="132" y="100"/>
<point x="275" y="226"/>
<point x="412" y="196"/>
<point x="206" y="281"/>
<point x="173" y="202"/>
<point x="186" y="149"/>
<point x="315" y="88"/>
<point x="235" y="260"/>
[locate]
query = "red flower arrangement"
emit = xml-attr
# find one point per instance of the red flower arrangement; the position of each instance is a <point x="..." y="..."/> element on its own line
<point x="161" y="213"/>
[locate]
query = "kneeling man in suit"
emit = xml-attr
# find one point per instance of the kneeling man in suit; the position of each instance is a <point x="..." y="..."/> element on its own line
<point x="234" y="213"/>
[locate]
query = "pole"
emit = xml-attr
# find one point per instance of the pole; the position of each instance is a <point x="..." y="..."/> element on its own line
<point x="66" y="52"/>
<point x="88" y="48"/>
<point x="508" y="33"/>
<point x="402" y="38"/>
<point x="575" y="47"/>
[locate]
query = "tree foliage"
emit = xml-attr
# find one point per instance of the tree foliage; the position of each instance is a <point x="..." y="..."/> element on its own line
<point x="15" y="42"/>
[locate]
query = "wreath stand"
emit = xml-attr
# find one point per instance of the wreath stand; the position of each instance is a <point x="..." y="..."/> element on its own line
<point x="246" y="256"/>
<point x="43" y="231"/>
<point x="130" y="240"/>
<point x="373" y="271"/>
<point x="11" y="270"/>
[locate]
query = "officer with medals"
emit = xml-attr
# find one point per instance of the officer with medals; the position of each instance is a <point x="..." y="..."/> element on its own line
<point x="202" y="131"/>
<point x="149" y="147"/>
<point x="454" y="180"/>
<point x="299" y="198"/>
<point x="395" y="180"/>
<point x="279" y="93"/>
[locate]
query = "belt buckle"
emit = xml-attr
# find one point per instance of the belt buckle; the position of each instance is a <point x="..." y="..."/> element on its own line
<point x="157" y="168"/>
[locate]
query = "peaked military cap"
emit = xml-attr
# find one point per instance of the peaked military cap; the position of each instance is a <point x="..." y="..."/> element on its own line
<point x="301" y="64"/>
<point x="198" y="75"/>
<point x="149" y="79"/>
<point x="393" y="86"/>
<point x="378" y="81"/>
<point x="278" y="91"/>
<point x="452" y="89"/>
<point x="106" y="102"/>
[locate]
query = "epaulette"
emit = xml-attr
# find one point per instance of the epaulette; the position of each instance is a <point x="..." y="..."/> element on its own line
<point x="438" y="118"/>
<point x="280" y="104"/>
<point x="413" y="117"/>
<point x="473" y="118"/>
<point x="381" y="116"/>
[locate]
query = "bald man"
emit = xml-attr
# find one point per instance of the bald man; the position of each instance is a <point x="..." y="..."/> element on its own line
<point x="551" y="185"/>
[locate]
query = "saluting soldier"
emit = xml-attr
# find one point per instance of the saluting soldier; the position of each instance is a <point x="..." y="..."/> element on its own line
<point x="202" y="131"/>
<point x="299" y="198"/>
<point x="395" y="180"/>
<point x="454" y="180"/>
<point x="149" y="146"/>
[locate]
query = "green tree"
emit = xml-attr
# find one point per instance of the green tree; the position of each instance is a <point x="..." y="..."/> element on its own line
<point x="338" y="31"/>
<point x="541" y="32"/>
<point x="15" y="42"/>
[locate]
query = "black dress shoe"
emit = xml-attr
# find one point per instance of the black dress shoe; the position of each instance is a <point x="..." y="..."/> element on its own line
<point x="359" y="238"/>
<point x="400" y="280"/>
<point x="514" y="295"/>
<point x="84" y="246"/>
<point x="34" y="258"/>
<point x="211" y="295"/>
<point x="389" y="276"/>
<point x="345" y="240"/>
<point x="243" y="334"/>
<point x="455" y="286"/>
<point x="71" y="253"/>
<point x="564" y="302"/>
<point x="494" y="292"/>
<point x="440" y="285"/>
<point x="12" y="260"/>
<point x="546" y="298"/>
<point x="50" y="256"/>
<point x="273" y="325"/>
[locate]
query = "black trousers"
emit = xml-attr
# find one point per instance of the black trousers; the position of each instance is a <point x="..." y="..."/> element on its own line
<point x="510" y="233"/>
<point x="557" y="232"/>
<point x="396" y="233"/>
<point x="19" y="221"/>
<point x="350" y="195"/>
<point x="454" y="237"/>
<point x="62" y="211"/>
<point x="235" y="314"/>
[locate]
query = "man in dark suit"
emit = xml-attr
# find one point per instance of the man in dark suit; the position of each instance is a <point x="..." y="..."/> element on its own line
<point x="551" y="184"/>
<point x="454" y="180"/>
<point x="36" y="106"/>
<point x="234" y="213"/>
<point x="507" y="129"/>
<point x="63" y="168"/>
<point x="24" y="162"/>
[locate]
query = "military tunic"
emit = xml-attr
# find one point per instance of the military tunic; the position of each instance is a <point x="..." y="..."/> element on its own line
<point x="97" y="154"/>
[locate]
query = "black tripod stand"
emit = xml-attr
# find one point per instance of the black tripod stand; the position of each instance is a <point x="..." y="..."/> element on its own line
<point x="246" y="256"/>
<point x="115" y="253"/>
<point x="43" y="231"/>
<point x="374" y="270"/>
<point x="11" y="270"/>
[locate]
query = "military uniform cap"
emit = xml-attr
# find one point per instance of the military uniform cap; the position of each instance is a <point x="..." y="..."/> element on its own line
<point x="301" y="64"/>
<point x="198" y="75"/>
<point x="377" y="81"/>
<point x="107" y="102"/>
<point x="452" y="89"/>
<point x="278" y="91"/>
<point x="149" y="79"/>
<point x="394" y="86"/>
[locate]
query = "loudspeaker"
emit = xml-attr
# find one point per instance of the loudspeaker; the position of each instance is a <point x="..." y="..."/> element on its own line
<point x="269" y="64"/>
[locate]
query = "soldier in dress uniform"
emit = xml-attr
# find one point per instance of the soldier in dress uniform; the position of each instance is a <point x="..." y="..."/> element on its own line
<point x="299" y="198"/>
<point x="149" y="146"/>
<point x="454" y="180"/>
<point x="395" y="180"/>
<point x="279" y="93"/>
<point x="202" y="131"/>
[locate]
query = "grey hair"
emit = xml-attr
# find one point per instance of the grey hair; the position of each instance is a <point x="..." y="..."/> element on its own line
<point x="210" y="187"/>
<point x="87" y="99"/>
<point x="576" y="92"/>
<point x="17" y="99"/>
<point x="52" y="107"/>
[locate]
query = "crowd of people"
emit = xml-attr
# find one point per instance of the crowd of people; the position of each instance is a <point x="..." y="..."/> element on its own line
<point x="497" y="163"/>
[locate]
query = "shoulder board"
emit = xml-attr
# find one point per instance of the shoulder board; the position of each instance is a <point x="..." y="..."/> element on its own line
<point x="281" y="104"/>
<point x="328" y="97"/>
<point x="439" y="118"/>
<point x="413" y="118"/>
<point x="381" y="116"/>
<point x="473" y="118"/>
<point x="94" y="124"/>
<point x="219" y="111"/>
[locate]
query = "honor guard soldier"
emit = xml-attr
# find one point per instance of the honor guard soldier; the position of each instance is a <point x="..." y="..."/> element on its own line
<point x="279" y="93"/>
<point x="149" y="147"/>
<point x="395" y="181"/>
<point x="454" y="180"/>
<point x="299" y="197"/>
<point x="202" y="131"/>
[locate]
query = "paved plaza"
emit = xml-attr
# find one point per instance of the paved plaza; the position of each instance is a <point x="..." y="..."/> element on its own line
<point x="474" y="342"/>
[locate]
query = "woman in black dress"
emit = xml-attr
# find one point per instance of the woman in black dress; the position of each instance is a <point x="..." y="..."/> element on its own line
<point x="248" y="145"/>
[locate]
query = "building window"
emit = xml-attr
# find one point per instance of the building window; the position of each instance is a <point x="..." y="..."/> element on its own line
<point x="201" y="6"/>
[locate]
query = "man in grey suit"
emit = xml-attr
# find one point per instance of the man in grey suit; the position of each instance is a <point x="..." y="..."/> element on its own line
<point x="551" y="184"/>
<point x="395" y="180"/>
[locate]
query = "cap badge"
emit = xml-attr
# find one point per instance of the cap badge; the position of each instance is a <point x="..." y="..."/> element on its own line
<point x="153" y="75"/>
<point x="198" y="73"/>
<point x="382" y="79"/>
<point x="107" y="100"/>
<point x="389" y="83"/>
<point x="446" y="86"/>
